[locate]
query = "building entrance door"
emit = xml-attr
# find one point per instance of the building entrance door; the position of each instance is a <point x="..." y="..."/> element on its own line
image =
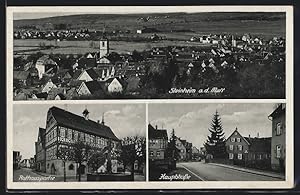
<point x="53" y="170"/>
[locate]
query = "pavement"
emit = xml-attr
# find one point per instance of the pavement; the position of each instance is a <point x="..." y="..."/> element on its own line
<point x="253" y="171"/>
<point x="217" y="172"/>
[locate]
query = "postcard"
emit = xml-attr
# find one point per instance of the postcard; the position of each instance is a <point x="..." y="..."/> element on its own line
<point x="150" y="97"/>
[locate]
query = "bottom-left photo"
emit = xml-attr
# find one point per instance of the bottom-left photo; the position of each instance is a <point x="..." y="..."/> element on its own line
<point x="79" y="142"/>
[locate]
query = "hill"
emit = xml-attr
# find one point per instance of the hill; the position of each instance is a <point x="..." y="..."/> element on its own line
<point x="166" y="22"/>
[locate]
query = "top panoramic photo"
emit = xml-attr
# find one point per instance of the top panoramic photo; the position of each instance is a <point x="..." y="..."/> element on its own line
<point x="149" y="55"/>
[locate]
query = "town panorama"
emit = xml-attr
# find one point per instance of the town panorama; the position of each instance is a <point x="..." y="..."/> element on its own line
<point x="150" y="56"/>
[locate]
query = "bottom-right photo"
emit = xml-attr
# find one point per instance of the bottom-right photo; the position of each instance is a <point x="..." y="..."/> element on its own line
<point x="217" y="142"/>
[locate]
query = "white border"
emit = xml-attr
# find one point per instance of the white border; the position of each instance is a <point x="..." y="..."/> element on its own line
<point x="288" y="183"/>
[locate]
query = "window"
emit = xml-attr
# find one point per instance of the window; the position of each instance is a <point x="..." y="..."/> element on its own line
<point x="240" y="156"/>
<point x="240" y="147"/>
<point x="66" y="134"/>
<point x="238" y="139"/>
<point x="151" y="153"/>
<point x="75" y="135"/>
<point x="230" y="147"/>
<point x="278" y="129"/>
<point x="230" y="155"/>
<point x="71" y="167"/>
<point x="62" y="132"/>
<point x="278" y="151"/>
<point x="259" y="156"/>
<point x="158" y="153"/>
<point x="232" y="139"/>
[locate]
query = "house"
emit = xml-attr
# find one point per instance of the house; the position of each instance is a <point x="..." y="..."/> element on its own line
<point x="115" y="85"/>
<point x="23" y="94"/>
<point x="64" y="74"/>
<point x="248" y="151"/>
<point x="104" y="60"/>
<point x="195" y="153"/>
<point x="180" y="145"/>
<point x="25" y="163"/>
<point x="46" y="65"/>
<point x="48" y="86"/>
<point x="60" y="96"/>
<point x="40" y="151"/>
<point x="278" y="151"/>
<point x="88" y="75"/>
<point x="16" y="159"/>
<point x="71" y="94"/>
<point x="40" y="96"/>
<point x="52" y="94"/>
<point x="91" y="88"/>
<point x="64" y="128"/>
<point x="188" y="147"/>
<point x="21" y="78"/>
<point x="259" y="155"/>
<point x="105" y="72"/>
<point x="158" y="141"/>
<point x="86" y="61"/>
<point x="146" y="30"/>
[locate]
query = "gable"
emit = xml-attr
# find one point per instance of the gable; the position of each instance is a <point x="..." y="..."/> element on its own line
<point x="50" y="121"/>
<point x="115" y="86"/>
<point x="236" y="134"/>
<point x="85" y="77"/>
<point x="83" y="89"/>
<point x="49" y="85"/>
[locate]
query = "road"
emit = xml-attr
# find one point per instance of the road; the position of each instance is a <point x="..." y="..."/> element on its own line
<point x="209" y="172"/>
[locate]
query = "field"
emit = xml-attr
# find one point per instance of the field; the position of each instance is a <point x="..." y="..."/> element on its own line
<point x="265" y="25"/>
<point x="82" y="47"/>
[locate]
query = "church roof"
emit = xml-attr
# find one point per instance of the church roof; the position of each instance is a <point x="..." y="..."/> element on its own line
<point x="73" y="121"/>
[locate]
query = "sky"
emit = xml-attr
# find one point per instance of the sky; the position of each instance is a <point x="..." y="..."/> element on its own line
<point x="42" y="12"/>
<point x="123" y="119"/>
<point x="192" y="121"/>
<point x="107" y="10"/>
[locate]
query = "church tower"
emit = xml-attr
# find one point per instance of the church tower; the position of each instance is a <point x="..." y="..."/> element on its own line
<point x="104" y="47"/>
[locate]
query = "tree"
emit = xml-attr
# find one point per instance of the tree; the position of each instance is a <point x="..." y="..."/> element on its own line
<point x="215" y="143"/>
<point x="136" y="56"/>
<point x="133" y="149"/>
<point x="172" y="151"/>
<point x="81" y="153"/>
<point x="64" y="153"/>
<point x="96" y="160"/>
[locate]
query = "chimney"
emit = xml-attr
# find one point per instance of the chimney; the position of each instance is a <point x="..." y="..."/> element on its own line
<point x="249" y="136"/>
<point x="86" y="114"/>
<point x="257" y="135"/>
<point x="156" y="127"/>
<point x="102" y="122"/>
<point x="98" y="121"/>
